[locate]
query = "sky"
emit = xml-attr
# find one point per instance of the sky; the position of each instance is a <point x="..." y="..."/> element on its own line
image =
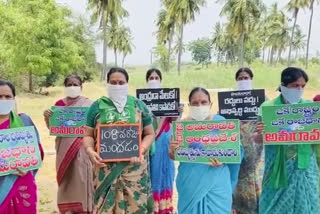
<point x="143" y="15"/>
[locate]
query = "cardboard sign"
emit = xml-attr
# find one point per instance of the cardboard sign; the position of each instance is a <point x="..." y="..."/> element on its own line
<point x="242" y="105"/>
<point x="19" y="149"/>
<point x="119" y="142"/>
<point x="68" y="121"/>
<point x="204" y="140"/>
<point x="291" y="124"/>
<point x="162" y="102"/>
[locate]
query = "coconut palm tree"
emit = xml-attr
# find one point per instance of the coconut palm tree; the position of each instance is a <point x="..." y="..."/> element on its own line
<point x="184" y="11"/>
<point x="103" y="11"/>
<point x="294" y="6"/>
<point x="242" y="14"/>
<point x="299" y="41"/>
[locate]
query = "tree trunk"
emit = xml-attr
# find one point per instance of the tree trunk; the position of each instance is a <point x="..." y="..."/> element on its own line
<point x="151" y="60"/>
<point x="169" y="48"/>
<point x="296" y="57"/>
<point x="269" y="55"/>
<point x="309" y="33"/>
<point x="292" y="35"/>
<point x="104" y="26"/>
<point x="123" y="58"/>
<point x="279" y="55"/>
<point x="180" y="48"/>
<point x="115" y="57"/>
<point x="263" y="55"/>
<point x="30" y="82"/>
<point x="241" y="60"/>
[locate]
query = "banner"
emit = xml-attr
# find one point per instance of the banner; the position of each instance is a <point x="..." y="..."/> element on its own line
<point x="203" y="140"/>
<point x="68" y="121"/>
<point x="119" y="142"/>
<point x="242" y="105"/>
<point x="163" y="102"/>
<point x="19" y="149"/>
<point x="291" y="124"/>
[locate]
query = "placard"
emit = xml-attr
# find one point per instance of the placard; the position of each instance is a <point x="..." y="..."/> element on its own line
<point x="161" y="101"/>
<point x="68" y="121"/>
<point x="291" y="124"/>
<point x="242" y="105"/>
<point x="19" y="149"/>
<point x="203" y="140"/>
<point x="119" y="142"/>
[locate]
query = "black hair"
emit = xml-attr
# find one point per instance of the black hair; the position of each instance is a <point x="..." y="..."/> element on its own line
<point x="292" y="74"/>
<point x="199" y="89"/>
<point x="150" y="71"/>
<point x="72" y="76"/>
<point x="245" y="69"/>
<point x="10" y="85"/>
<point x="117" y="70"/>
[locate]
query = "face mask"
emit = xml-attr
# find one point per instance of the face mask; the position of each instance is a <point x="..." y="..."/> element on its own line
<point x="6" y="106"/>
<point x="118" y="94"/>
<point x="199" y="112"/>
<point x="292" y="95"/>
<point x="154" y="84"/>
<point x="244" y="85"/>
<point x="73" y="91"/>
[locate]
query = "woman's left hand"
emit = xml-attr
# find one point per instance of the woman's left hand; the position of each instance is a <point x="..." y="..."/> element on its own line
<point x="181" y="109"/>
<point x="138" y="160"/>
<point x="215" y="162"/>
<point x="21" y="173"/>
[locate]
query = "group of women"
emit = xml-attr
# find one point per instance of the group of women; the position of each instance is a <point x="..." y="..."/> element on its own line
<point x="270" y="179"/>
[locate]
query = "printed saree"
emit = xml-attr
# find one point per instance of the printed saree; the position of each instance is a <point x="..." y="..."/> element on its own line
<point x="162" y="171"/>
<point x="19" y="194"/>
<point x="121" y="187"/>
<point x="246" y="196"/>
<point x="74" y="170"/>
<point x="301" y="191"/>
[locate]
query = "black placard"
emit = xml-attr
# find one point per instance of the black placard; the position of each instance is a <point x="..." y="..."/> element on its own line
<point x="242" y="105"/>
<point x="161" y="101"/>
<point x="119" y="142"/>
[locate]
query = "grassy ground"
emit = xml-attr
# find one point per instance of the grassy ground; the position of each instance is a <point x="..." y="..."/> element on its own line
<point x="213" y="77"/>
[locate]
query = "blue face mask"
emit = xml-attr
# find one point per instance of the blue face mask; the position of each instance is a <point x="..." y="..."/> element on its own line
<point x="6" y="106"/>
<point x="291" y="95"/>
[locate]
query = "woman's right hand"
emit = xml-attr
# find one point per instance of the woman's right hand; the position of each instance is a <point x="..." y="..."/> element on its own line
<point x="47" y="113"/>
<point x="95" y="158"/>
<point x="260" y="127"/>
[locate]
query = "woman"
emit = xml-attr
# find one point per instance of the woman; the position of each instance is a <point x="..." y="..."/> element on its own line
<point x="246" y="196"/>
<point x="161" y="166"/>
<point x="74" y="169"/>
<point x="291" y="176"/>
<point x="18" y="191"/>
<point x="121" y="187"/>
<point x="204" y="188"/>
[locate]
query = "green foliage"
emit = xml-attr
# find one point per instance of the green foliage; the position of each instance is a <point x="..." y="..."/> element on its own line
<point x="160" y="53"/>
<point x="38" y="39"/>
<point x="201" y="51"/>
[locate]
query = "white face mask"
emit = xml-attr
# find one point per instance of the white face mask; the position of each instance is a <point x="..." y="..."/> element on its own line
<point x="73" y="91"/>
<point x="154" y="84"/>
<point x="292" y="95"/>
<point x="118" y="94"/>
<point x="199" y="112"/>
<point x="6" y="106"/>
<point x="244" y="85"/>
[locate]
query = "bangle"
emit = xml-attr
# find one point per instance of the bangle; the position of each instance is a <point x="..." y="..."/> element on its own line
<point x="143" y="150"/>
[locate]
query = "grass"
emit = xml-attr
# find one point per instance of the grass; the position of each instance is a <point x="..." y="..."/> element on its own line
<point x="266" y="76"/>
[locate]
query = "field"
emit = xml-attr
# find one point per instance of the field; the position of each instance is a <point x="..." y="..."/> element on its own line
<point x="212" y="78"/>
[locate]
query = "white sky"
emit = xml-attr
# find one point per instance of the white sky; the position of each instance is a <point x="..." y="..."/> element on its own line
<point x="142" y="18"/>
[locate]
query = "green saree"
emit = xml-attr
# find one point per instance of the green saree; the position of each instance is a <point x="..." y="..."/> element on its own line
<point x="121" y="187"/>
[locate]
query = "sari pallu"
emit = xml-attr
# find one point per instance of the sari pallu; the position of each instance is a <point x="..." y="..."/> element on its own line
<point x="121" y="187"/>
<point x="19" y="194"/>
<point x="74" y="170"/>
<point x="247" y="193"/>
<point x="162" y="171"/>
<point x="204" y="189"/>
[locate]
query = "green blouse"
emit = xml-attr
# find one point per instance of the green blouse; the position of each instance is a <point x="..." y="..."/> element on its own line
<point x="105" y="106"/>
